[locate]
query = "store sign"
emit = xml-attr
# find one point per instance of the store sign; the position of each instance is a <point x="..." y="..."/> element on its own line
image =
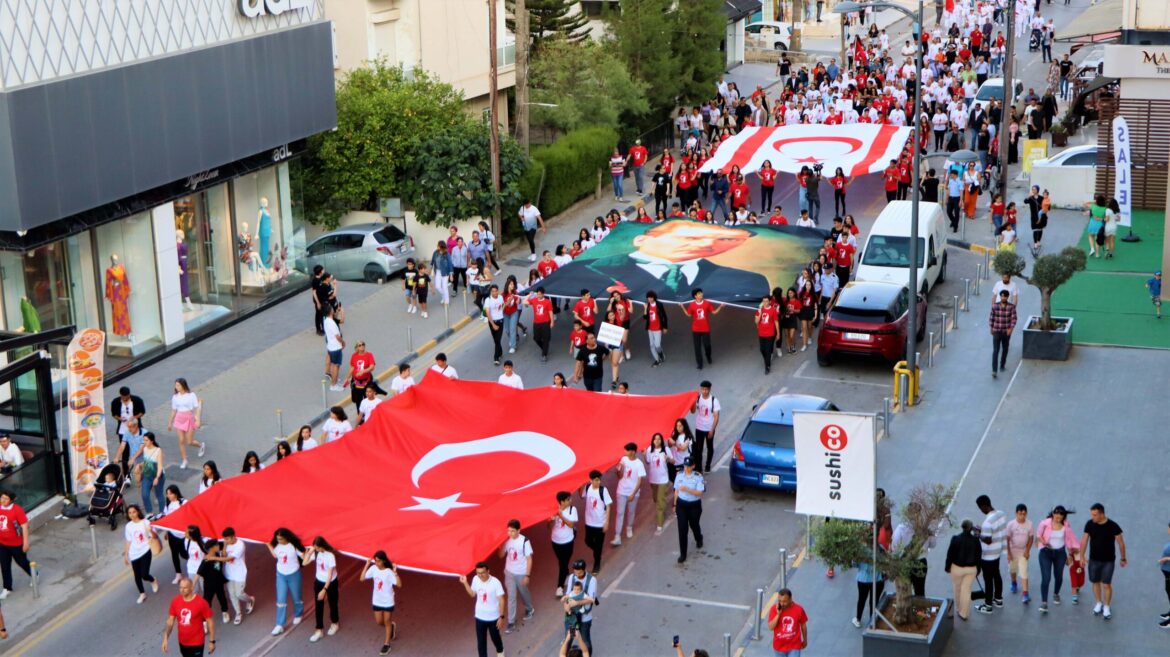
<point x="258" y="8"/>
<point x="193" y="182"/>
<point x="1137" y="62"/>
<point x="281" y="153"/>
<point x="835" y="464"/>
<point x="1122" y="158"/>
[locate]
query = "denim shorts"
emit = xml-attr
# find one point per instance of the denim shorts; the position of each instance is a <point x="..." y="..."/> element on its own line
<point x="335" y="357"/>
<point x="1101" y="572"/>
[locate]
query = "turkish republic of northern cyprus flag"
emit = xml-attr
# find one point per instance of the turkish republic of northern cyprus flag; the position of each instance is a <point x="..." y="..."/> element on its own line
<point x="857" y="148"/>
<point x="437" y="472"/>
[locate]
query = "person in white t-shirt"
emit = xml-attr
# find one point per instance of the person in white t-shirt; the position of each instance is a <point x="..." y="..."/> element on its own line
<point x="680" y="442"/>
<point x="658" y="461"/>
<point x="489" y="607"/>
<point x="336" y="426"/>
<point x="493" y="311"/>
<point x="287" y="549"/>
<point x="631" y="474"/>
<point x="517" y="554"/>
<point x="305" y="440"/>
<point x="334" y="346"/>
<point x="1006" y="283"/>
<point x="706" y="410"/>
<point x="402" y="382"/>
<point x="597" y="502"/>
<point x="510" y="378"/>
<point x="366" y="408"/>
<point x="324" y="585"/>
<point x="137" y="554"/>
<point x="235" y="570"/>
<point x="562" y="532"/>
<point x="384" y="574"/>
<point x="443" y="368"/>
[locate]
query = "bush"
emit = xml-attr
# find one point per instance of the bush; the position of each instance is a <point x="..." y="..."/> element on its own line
<point x="571" y="165"/>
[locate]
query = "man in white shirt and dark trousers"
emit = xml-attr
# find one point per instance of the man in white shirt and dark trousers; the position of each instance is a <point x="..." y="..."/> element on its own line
<point x="706" y="409"/>
<point x="489" y="608"/>
<point x="517" y="554"/>
<point x="992" y="535"/>
<point x="631" y="473"/>
<point x="597" y="502"/>
<point x="589" y="586"/>
<point x="688" y="505"/>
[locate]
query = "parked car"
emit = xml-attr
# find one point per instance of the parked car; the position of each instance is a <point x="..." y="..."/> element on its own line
<point x="765" y="454"/>
<point x="993" y="88"/>
<point x="769" y="34"/>
<point x="369" y="252"/>
<point x="1074" y="156"/>
<point x="870" y="319"/>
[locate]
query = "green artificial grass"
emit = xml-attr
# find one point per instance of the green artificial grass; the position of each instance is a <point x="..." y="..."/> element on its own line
<point x="1143" y="257"/>
<point x="1111" y="309"/>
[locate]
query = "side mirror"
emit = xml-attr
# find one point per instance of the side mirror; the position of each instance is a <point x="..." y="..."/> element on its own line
<point x="755" y="406"/>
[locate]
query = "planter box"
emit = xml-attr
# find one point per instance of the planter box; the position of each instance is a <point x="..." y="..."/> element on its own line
<point x="883" y="643"/>
<point x="1048" y="345"/>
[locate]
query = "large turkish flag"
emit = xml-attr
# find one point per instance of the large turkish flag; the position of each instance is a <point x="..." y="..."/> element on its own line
<point x="437" y="472"/>
<point x="858" y="148"/>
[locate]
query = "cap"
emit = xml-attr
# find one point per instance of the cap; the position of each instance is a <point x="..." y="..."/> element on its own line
<point x="1157" y="273"/>
<point x="688" y="461"/>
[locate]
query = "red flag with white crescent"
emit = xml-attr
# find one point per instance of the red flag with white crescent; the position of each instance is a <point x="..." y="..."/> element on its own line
<point x="858" y="148"/>
<point x="437" y="472"/>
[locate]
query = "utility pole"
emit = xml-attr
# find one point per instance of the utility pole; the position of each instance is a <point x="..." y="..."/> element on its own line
<point x="493" y="100"/>
<point x="1009" y="91"/>
<point x="522" y="41"/>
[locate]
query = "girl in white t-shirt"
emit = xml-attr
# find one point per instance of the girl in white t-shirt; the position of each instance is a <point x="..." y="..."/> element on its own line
<point x="336" y="426"/>
<point x="210" y="476"/>
<point x="137" y="553"/>
<point x="251" y="463"/>
<point x="659" y="460"/>
<point x="186" y="409"/>
<point x="324" y="585"/>
<point x="305" y="440"/>
<point x="175" y="537"/>
<point x="287" y="549"/>
<point x="563" y="531"/>
<point x="384" y="574"/>
<point x="680" y="443"/>
<point x="193" y="547"/>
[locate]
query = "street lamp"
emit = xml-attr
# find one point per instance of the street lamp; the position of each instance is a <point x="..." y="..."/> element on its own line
<point x="912" y="324"/>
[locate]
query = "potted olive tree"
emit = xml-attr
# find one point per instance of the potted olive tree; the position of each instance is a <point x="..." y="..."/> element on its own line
<point x="1045" y="337"/>
<point x="907" y="626"/>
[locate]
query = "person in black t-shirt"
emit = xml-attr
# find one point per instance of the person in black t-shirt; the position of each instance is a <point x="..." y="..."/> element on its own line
<point x="929" y="186"/>
<point x="1102" y="533"/>
<point x="315" y="291"/>
<point x="661" y="183"/>
<point x="590" y="362"/>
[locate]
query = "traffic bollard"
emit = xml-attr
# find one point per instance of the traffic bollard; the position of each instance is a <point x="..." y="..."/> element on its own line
<point x="783" y="568"/>
<point x="903" y="390"/>
<point x="759" y="613"/>
<point x="447" y="315"/>
<point x="978" y="277"/>
<point x="280" y="423"/>
<point x="325" y="394"/>
<point x="409" y="339"/>
<point x="930" y="349"/>
<point x="727" y="644"/>
<point x="987" y="265"/>
<point x="93" y="543"/>
<point x="886" y="410"/>
<point x="465" y="301"/>
<point x="966" y="295"/>
<point x="36" y="573"/>
<point x="955" y="318"/>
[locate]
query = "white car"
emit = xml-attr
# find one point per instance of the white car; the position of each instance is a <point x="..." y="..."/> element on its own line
<point x="993" y="88"/>
<point x="769" y="34"/>
<point x="1075" y="156"/>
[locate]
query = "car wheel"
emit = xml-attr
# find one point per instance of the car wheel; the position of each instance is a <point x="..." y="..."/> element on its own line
<point x="374" y="274"/>
<point x="824" y="360"/>
<point x="942" y="272"/>
<point x="735" y="488"/>
<point x="780" y="46"/>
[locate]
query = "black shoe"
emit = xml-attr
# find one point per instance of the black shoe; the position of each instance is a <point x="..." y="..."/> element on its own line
<point x="699" y="544"/>
<point x="682" y="559"/>
<point x="1165" y="616"/>
<point x="700" y="366"/>
<point x="656" y="363"/>
<point x="709" y="361"/>
<point x="767" y="370"/>
<point x="1165" y="624"/>
<point x="496" y="363"/>
<point x="994" y="375"/>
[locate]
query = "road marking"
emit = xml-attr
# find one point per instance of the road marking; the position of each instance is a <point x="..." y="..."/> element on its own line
<point x="800" y="369"/>
<point x="689" y="601"/>
<point x="47" y="630"/>
<point x="800" y="557"/>
<point x="614" y="584"/>
<point x="269" y="642"/>
<point x="739" y="652"/>
<point x="825" y="378"/>
<point x="784" y="390"/>
<point x="723" y="460"/>
<point x="983" y="438"/>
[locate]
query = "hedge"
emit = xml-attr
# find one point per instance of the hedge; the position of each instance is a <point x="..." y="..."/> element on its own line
<point x="570" y="167"/>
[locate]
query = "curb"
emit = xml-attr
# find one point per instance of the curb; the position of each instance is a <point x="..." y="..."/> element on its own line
<point x="968" y="246"/>
<point x="386" y="374"/>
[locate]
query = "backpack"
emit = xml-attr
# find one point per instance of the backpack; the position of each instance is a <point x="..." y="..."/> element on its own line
<point x="601" y="496"/>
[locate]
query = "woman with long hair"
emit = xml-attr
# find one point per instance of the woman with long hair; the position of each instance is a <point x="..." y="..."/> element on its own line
<point x="615" y="355"/>
<point x="174" y="536"/>
<point x="193" y="548"/>
<point x="599" y="231"/>
<point x="210" y="476"/>
<point x="623" y="311"/>
<point x="585" y="239"/>
<point x="251" y="463"/>
<point x="384" y="574"/>
<point x="562" y="533"/>
<point x="154" y="477"/>
<point x="211" y="575"/>
<point x="680" y="441"/>
<point x="288" y="551"/>
<point x="186" y="410"/>
<point x="839" y="182"/>
<point x="336" y="426"/>
<point x="512" y="308"/>
<point x="790" y="315"/>
<point x="1112" y="218"/>
<point x="767" y="185"/>
<point x="137" y="551"/>
<point x="658" y="463"/>
<point x="559" y="381"/>
<point x="324" y="586"/>
<point x="1057" y="541"/>
<point x="283" y="449"/>
<point x="441" y="271"/>
<point x="808" y="308"/>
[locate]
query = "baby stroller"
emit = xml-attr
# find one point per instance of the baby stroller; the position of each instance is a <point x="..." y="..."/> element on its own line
<point x="1034" y="41"/>
<point x="107" y="501"/>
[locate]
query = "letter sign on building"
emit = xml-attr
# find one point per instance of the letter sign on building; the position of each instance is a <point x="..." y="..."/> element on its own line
<point x="258" y="8"/>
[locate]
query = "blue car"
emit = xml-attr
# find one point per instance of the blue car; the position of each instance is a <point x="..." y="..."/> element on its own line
<point x="765" y="454"/>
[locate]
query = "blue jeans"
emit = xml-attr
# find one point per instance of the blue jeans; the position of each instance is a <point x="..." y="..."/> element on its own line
<point x="814" y="208"/>
<point x="148" y="487"/>
<point x="1064" y="87"/>
<point x="287" y="585"/>
<point x="787" y="653"/>
<point x="617" y="186"/>
<point x="1051" y="567"/>
<point x="638" y="179"/>
<point x="510" y="323"/>
<point x="803" y="197"/>
<point x="720" y="203"/>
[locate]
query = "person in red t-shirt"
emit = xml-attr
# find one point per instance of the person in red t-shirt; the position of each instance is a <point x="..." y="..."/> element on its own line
<point x="361" y="373"/>
<point x="547" y="265"/>
<point x="700" y="311"/>
<point x="903" y="178"/>
<point x="740" y="193"/>
<point x="767" y="325"/>
<point x="577" y="337"/>
<point x="190" y="612"/>
<point x="636" y="157"/>
<point x="777" y="218"/>
<point x="656" y="326"/>
<point x="767" y="185"/>
<point x="839" y="182"/>
<point x="585" y="311"/>
<point x="843" y="258"/>
<point x="14" y="539"/>
<point x="542" y="321"/>
<point x="890" y="178"/>
<point x="791" y="317"/>
<point x="789" y="624"/>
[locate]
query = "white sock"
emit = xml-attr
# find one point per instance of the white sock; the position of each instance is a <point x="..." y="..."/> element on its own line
<point x="1107" y="609"/>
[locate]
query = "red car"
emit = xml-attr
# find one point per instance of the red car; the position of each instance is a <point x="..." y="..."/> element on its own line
<point x="869" y="319"/>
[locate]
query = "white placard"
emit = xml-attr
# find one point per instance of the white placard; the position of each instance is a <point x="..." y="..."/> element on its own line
<point x="1122" y="159"/>
<point x="835" y="455"/>
<point x="610" y="335"/>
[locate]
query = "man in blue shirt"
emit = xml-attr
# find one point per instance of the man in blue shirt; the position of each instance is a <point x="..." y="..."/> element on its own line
<point x="954" y="194"/>
<point x="1155" y="287"/>
<point x="688" y="506"/>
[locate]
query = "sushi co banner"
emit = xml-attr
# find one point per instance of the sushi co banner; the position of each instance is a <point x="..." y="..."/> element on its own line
<point x="836" y="452"/>
<point x="88" y="451"/>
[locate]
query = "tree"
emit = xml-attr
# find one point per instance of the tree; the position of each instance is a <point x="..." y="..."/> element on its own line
<point x="552" y="18"/>
<point x="642" y="32"/>
<point x="451" y="179"/>
<point x="589" y="84"/>
<point x="383" y="115"/>
<point x="1048" y="273"/>
<point x="699" y="29"/>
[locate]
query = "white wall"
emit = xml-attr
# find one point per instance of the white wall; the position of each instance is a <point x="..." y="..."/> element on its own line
<point x="1068" y="187"/>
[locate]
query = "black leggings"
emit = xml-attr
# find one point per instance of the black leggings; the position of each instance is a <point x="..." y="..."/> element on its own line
<point x="863" y="590"/>
<point x="564" y="552"/>
<point x="177" y="552"/>
<point x="331" y="594"/>
<point x="595" y="540"/>
<point x="8" y="554"/>
<point x="458" y="273"/>
<point x="1166" y="575"/>
<point x="766" y="198"/>
<point x="704" y="439"/>
<point x="141" y="568"/>
<point x="482" y="630"/>
<point x="839" y="203"/>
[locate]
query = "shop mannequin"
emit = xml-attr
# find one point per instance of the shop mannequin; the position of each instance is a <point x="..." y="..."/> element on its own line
<point x="184" y="283"/>
<point x="248" y="254"/>
<point x="264" y="231"/>
<point x="118" y="294"/>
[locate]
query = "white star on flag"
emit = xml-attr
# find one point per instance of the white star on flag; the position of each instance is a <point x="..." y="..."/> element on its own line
<point x="439" y="506"/>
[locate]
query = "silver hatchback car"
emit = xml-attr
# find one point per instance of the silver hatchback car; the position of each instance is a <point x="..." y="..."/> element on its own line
<point x="370" y="252"/>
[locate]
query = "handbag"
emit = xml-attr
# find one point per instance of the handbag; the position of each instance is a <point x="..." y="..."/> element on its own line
<point x="155" y="544"/>
<point x="1101" y="235"/>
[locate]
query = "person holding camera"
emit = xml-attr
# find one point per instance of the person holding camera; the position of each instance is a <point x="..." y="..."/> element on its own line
<point x="697" y="652"/>
<point x="813" y="192"/>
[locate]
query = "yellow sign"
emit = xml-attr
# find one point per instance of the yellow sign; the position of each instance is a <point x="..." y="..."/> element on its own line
<point x="1034" y="149"/>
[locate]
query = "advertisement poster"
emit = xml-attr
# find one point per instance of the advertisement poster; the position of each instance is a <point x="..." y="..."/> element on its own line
<point x="89" y="452"/>
<point x="835" y="455"/>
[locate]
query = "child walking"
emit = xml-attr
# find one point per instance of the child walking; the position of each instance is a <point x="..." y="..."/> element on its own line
<point x="1154" y="285"/>
<point x="422" y="285"/>
<point x="409" y="280"/>
<point x="1020" y="536"/>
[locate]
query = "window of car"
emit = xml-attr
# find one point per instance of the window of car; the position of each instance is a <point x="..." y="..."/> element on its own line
<point x="903" y="303"/>
<point x="346" y="241"/>
<point x="845" y="313"/>
<point x="388" y="234"/>
<point x="890" y="251"/>
<point x="1080" y="160"/>
<point x="769" y="435"/>
<point x="327" y="244"/>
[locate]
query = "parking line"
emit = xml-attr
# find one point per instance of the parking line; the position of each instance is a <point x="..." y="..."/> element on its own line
<point x="986" y="432"/>
<point x="614" y="584"/>
<point x="689" y="601"/>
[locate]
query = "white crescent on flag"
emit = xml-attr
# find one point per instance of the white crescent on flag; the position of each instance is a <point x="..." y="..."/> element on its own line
<point x="857" y="148"/>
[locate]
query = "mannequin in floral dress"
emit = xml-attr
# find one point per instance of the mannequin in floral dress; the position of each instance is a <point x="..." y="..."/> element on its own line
<point x="118" y="294"/>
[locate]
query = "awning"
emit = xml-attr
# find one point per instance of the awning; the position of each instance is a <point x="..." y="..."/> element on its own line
<point x="1097" y="83"/>
<point x="1097" y="24"/>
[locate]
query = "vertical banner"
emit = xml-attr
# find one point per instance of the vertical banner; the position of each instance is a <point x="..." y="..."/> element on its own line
<point x="835" y="461"/>
<point x="1123" y="184"/>
<point x="1034" y="149"/>
<point x="89" y="452"/>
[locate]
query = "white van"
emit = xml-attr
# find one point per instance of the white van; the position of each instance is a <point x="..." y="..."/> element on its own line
<point x="887" y="251"/>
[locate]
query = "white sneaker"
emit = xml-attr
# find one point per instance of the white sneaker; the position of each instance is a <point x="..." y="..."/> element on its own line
<point x="616" y="542"/>
<point x="277" y="630"/>
<point x="532" y="257"/>
<point x="658" y="531"/>
<point x="251" y="606"/>
<point x="333" y="629"/>
<point x="202" y="449"/>
<point x="512" y="350"/>
<point x="628" y="355"/>
<point x="560" y="591"/>
<point x="316" y="636"/>
<point x="424" y="315"/>
<point x="154" y="586"/>
<point x="804" y="348"/>
<point x="141" y="598"/>
<point x="226" y="617"/>
<point x="296" y="620"/>
<point x="238" y="620"/>
<point x="177" y="575"/>
<point x="629" y="532"/>
<point x="856" y="623"/>
<point x="182" y="466"/>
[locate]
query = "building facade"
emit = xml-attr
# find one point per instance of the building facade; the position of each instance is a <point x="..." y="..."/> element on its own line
<point x="149" y="173"/>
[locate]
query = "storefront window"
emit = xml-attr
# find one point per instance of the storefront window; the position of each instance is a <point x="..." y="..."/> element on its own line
<point x="207" y="274"/>
<point x="129" y="284"/>
<point x="269" y="235"/>
<point x="45" y="288"/>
